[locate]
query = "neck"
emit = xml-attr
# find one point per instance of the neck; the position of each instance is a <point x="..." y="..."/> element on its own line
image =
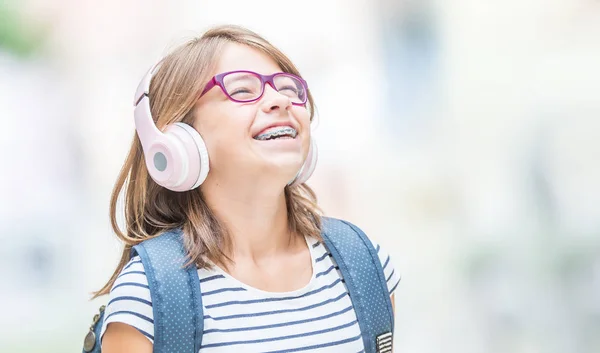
<point x="254" y="213"/>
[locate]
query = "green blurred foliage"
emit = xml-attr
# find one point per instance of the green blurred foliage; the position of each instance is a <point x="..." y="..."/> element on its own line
<point x="17" y="36"/>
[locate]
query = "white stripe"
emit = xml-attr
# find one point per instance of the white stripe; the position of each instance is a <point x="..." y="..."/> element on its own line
<point x="131" y="320"/>
<point x="131" y="291"/>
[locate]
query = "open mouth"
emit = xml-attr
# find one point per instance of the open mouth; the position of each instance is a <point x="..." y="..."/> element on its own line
<point x="277" y="133"/>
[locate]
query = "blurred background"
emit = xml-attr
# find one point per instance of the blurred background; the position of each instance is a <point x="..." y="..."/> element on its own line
<point x="462" y="135"/>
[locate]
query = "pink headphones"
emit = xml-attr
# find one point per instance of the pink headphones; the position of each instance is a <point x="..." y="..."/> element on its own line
<point x="177" y="158"/>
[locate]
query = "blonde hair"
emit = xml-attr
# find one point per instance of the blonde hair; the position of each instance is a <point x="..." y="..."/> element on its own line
<point x="150" y="209"/>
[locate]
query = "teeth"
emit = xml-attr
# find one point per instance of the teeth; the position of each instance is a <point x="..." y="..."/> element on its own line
<point x="276" y="132"/>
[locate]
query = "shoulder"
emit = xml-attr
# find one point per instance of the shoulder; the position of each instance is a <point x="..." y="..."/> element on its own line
<point x="349" y="231"/>
<point x="338" y="227"/>
<point x="169" y="240"/>
<point x="129" y="300"/>
<point x="163" y="252"/>
<point x="343" y="230"/>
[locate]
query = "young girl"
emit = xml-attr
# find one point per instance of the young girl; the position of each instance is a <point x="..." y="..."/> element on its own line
<point x="250" y="224"/>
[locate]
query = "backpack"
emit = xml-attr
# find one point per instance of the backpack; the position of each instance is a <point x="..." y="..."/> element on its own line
<point x="164" y="257"/>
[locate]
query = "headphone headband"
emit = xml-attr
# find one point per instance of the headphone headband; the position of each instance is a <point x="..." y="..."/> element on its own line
<point x="143" y="88"/>
<point x="144" y="123"/>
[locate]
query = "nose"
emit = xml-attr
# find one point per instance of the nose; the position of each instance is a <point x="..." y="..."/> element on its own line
<point x="273" y="100"/>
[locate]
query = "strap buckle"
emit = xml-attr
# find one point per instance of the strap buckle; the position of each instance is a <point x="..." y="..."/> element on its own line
<point x="384" y="343"/>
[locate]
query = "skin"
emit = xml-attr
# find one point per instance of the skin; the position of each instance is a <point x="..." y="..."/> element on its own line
<point x="245" y="186"/>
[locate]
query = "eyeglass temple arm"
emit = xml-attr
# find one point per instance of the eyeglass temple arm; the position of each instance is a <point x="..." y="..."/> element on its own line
<point x="212" y="83"/>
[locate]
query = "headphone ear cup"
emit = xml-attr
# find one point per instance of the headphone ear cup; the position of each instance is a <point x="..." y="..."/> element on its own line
<point x="192" y="169"/>
<point x="164" y="160"/>
<point x="198" y="155"/>
<point x="309" y="164"/>
<point x="176" y="159"/>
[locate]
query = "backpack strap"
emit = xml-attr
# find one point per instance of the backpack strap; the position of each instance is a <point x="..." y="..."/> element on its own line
<point x="363" y="274"/>
<point x="175" y="293"/>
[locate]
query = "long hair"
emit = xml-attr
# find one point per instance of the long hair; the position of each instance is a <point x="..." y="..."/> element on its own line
<point x="151" y="209"/>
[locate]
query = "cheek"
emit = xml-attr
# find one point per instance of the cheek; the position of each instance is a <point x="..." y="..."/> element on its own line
<point x="223" y="128"/>
<point x="303" y="118"/>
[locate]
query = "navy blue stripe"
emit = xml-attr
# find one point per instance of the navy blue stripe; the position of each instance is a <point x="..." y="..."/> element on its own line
<point x="391" y="274"/>
<point x="395" y="286"/>
<point x="131" y="272"/>
<point x="305" y="334"/>
<point x="274" y="299"/>
<point x="282" y="324"/>
<point x="278" y="311"/>
<point x="133" y="284"/>
<point x="330" y="344"/>
<point x="129" y="298"/>
<point x="131" y="263"/>
<point x="386" y="262"/>
<point x="378" y="248"/>
<point x="146" y="334"/>
<point x="216" y="291"/>
<point x="211" y="278"/>
<point x="327" y="271"/>
<point x="316" y="244"/>
<point x="131" y="313"/>
<point x="322" y="257"/>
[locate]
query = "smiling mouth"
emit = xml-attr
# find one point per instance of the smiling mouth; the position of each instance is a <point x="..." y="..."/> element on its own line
<point x="277" y="133"/>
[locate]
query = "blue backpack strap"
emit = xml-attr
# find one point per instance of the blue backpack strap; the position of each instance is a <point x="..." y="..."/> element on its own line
<point x="363" y="274"/>
<point x="175" y="293"/>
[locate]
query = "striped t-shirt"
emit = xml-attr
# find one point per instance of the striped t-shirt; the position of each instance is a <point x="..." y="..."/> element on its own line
<point x="318" y="317"/>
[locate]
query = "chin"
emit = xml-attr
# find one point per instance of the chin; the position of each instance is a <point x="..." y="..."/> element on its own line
<point x="284" y="164"/>
<point x="280" y="156"/>
<point x="280" y="164"/>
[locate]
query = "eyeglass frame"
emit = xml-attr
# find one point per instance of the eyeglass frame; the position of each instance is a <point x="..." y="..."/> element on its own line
<point x="217" y="80"/>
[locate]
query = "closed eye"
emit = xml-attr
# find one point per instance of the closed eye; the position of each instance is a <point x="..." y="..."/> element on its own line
<point x="240" y="91"/>
<point x="289" y="89"/>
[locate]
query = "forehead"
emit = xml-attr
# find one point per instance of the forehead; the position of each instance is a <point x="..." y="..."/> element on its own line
<point x="242" y="57"/>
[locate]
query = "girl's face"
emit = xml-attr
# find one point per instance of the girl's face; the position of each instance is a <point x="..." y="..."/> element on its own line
<point x="242" y="137"/>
